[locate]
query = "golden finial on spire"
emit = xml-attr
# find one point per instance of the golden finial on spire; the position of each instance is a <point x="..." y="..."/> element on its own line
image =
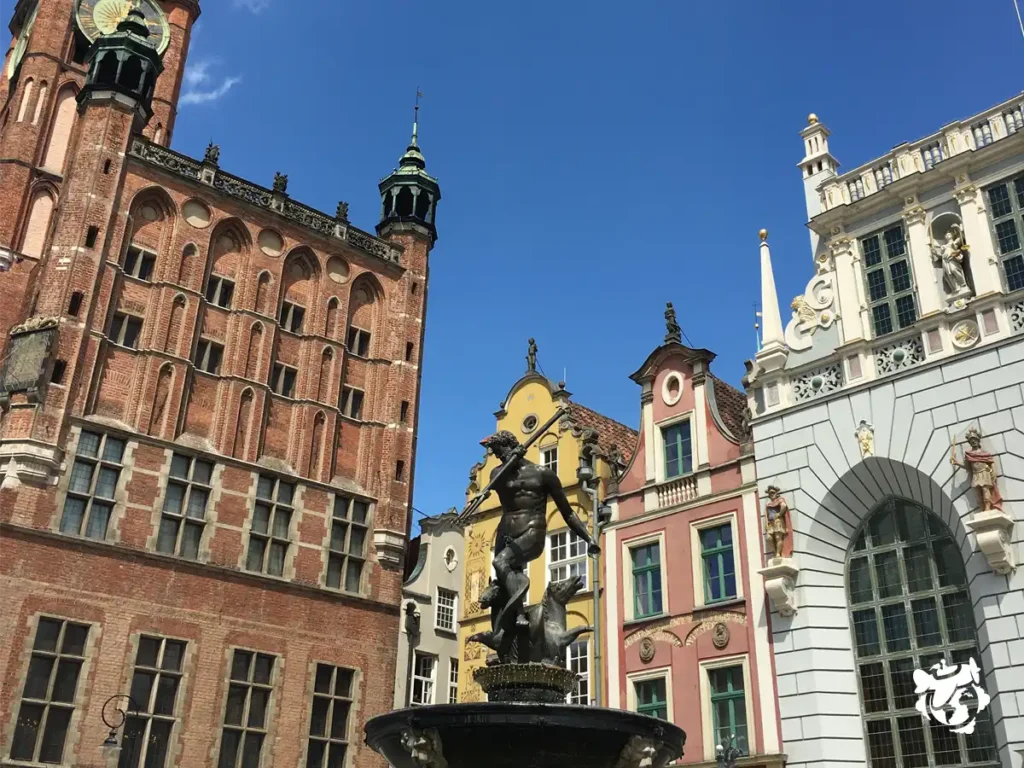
<point x="763" y="234"/>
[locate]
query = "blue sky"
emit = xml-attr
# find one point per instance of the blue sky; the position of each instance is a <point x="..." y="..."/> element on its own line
<point x="596" y="160"/>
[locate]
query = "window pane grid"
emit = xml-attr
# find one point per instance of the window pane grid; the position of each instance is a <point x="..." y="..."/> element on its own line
<point x="445" y="614"/>
<point x="889" y="281"/>
<point x="719" y="565"/>
<point x="269" y="534"/>
<point x="728" y="704"/>
<point x="1006" y="214"/>
<point x="567" y="557"/>
<point x="92" y="485"/>
<point x="329" y="719"/>
<point x="651" y="698"/>
<point x="909" y="610"/>
<point x="50" y="692"/>
<point x="346" y="546"/>
<point x="646" y="580"/>
<point x="577" y="660"/>
<point x="155" y="685"/>
<point x="246" y="711"/>
<point x="453" y="681"/>
<point x="184" y="513"/>
<point x="424" y="669"/>
<point x="678" y="449"/>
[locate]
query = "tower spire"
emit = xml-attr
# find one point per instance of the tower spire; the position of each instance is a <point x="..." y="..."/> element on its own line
<point x="773" y="352"/>
<point x="416" y="119"/>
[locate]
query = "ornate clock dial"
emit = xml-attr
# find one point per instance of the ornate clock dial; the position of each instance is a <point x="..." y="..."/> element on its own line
<point x="22" y="44"/>
<point x="101" y="17"/>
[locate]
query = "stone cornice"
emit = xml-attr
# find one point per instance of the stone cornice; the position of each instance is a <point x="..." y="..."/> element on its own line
<point x="271" y="202"/>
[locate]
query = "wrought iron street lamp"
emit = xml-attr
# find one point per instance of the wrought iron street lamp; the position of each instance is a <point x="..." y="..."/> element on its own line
<point x="729" y="751"/>
<point x="115" y="714"/>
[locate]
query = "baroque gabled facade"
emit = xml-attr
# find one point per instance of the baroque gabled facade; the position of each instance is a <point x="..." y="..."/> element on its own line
<point x="208" y="401"/>
<point x="889" y="422"/>
<point x="687" y="619"/>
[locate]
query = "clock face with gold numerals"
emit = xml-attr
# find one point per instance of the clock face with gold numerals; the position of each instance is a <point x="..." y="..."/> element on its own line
<point x="101" y="17"/>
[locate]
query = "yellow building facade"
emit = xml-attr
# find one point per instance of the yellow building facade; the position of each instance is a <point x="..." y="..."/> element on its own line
<point x="531" y="402"/>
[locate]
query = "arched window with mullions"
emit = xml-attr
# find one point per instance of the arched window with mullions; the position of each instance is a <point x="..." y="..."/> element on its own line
<point x="909" y="609"/>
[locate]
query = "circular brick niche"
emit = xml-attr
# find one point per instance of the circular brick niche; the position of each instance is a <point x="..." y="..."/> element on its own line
<point x="337" y="269"/>
<point x="270" y="242"/>
<point x="196" y="214"/>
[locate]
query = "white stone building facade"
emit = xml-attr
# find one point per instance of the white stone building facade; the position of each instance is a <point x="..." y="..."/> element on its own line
<point x="903" y="341"/>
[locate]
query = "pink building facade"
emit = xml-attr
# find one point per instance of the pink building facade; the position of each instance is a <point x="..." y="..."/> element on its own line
<point x="685" y="607"/>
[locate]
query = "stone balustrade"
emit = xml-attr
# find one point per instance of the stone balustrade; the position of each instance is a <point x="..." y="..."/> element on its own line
<point x="678" y="490"/>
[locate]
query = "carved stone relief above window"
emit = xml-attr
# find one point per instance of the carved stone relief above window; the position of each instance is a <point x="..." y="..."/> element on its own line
<point x="898" y="356"/>
<point x="821" y="381"/>
<point x="1016" y="313"/>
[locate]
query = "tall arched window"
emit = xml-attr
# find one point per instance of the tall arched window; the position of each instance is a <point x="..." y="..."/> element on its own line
<point x="60" y="134"/>
<point x="910" y="609"/>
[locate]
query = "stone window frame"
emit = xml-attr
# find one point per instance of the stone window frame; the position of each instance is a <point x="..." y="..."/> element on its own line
<point x="1013" y="280"/>
<point x="181" y="702"/>
<point x="65" y="491"/>
<point x="354" y="709"/>
<point x="269" y="537"/>
<point x="137" y="258"/>
<point x="184" y="519"/>
<point x="122" y="322"/>
<point x="73" y="730"/>
<point x="886" y="260"/>
<point x="648" y="675"/>
<point x="329" y="551"/>
<point x="357" y="341"/>
<point x="332" y="697"/>
<point x="208" y="351"/>
<point x="730" y="518"/>
<point x="276" y="673"/>
<point x="216" y="288"/>
<point x="348" y="397"/>
<point x="279" y="378"/>
<point x="629" y="605"/>
<point x="707" y="715"/>
<point x="291" y="315"/>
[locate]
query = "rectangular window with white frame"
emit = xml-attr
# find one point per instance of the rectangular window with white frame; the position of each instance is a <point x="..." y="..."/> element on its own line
<point x="549" y="458"/>
<point x="726" y="705"/>
<point x="424" y="672"/>
<point x="889" y="280"/>
<point x="713" y="543"/>
<point x="567" y="556"/>
<point x="453" y="680"/>
<point x="446" y="610"/>
<point x="678" y="449"/>
<point x="577" y="660"/>
<point x="1006" y="212"/>
<point x="650" y="693"/>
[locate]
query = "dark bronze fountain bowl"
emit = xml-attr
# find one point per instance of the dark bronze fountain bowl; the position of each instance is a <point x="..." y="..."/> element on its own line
<point x="523" y="735"/>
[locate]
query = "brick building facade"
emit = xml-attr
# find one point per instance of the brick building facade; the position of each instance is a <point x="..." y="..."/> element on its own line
<point x="208" y="403"/>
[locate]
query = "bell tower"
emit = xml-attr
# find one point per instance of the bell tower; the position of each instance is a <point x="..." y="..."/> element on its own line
<point x="409" y="196"/>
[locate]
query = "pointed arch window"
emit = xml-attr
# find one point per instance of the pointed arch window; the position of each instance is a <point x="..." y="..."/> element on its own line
<point x="910" y="609"/>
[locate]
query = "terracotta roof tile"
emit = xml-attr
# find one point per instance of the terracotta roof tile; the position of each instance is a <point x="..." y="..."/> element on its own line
<point x="732" y="406"/>
<point x="609" y="431"/>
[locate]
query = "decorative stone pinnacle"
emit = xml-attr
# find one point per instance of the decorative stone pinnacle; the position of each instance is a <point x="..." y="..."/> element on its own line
<point x="280" y="182"/>
<point x="341" y="214"/>
<point x="673" y="332"/>
<point x="212" y="155"/>
<point x="812" y="119"/>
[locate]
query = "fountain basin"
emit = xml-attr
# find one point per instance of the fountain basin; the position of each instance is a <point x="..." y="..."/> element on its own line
<point x="523" y="735"/>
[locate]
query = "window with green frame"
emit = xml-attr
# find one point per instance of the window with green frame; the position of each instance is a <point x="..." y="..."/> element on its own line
<point x="1006" y="211"/>
<point x="646" y="580"/>
<point x="728" y="705"/>
<point x="678" y="449"/>
<point x="651" y="697"/>
<point x="719" y="564"/>
<point x="890" y="283"/>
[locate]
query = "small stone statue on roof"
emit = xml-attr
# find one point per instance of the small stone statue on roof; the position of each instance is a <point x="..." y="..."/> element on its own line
<point x="674" y="332"/>
<point x="341" y="214"/>
<point x="212" y="155"/>
<point x="531" y="356"/>
<point x="280" y="182"/>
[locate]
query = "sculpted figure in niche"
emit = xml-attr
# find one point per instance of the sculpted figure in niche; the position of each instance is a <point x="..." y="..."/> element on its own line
<point x="981" y="465"/>
<point x="777" y="514"/>
<point x="950" y="255"/>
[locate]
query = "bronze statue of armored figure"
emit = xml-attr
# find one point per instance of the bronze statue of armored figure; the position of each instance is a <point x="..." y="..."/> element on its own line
<point x="521" y="634"/>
